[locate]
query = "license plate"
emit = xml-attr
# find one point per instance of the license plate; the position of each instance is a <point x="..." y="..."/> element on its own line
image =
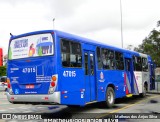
<point x="29" y="86"/>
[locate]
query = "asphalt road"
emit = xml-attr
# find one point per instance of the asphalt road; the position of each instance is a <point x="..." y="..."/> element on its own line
<point x="150" y="104"/>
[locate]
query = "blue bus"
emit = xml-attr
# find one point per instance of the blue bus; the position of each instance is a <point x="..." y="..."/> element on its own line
<point x="51" y="66"/>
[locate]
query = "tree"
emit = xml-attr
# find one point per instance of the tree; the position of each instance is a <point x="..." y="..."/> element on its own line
<point x="151" y="45"/>
<point x="2" y="71"/>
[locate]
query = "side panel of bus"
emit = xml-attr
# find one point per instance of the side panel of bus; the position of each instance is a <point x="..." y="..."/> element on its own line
<point x="110" y="78"/>
<point x="71" y="78"/>
<point x="108" y="75"/>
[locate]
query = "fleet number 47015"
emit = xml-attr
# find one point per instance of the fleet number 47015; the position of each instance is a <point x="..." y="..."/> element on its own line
<point x="29" y="70"/>
<point x="69" y="73"/>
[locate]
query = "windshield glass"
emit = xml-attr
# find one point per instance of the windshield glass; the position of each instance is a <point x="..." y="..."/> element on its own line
<point x="31" y="46"/>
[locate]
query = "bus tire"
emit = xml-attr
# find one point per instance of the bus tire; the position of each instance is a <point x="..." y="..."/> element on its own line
<point x="110" y="97"/>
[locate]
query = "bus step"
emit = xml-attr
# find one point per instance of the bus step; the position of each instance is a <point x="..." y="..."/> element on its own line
<point x="129" y="95"/>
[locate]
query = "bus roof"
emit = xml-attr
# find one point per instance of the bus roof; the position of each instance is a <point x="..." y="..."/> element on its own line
<point x="77" y="38"/>
<point x="90" y="41"/>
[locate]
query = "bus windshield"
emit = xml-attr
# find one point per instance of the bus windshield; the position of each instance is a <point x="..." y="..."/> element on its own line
<point x="31" y="46"/>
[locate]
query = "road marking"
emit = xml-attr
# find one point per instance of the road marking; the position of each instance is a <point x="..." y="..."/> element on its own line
<point x="128" y="106"/>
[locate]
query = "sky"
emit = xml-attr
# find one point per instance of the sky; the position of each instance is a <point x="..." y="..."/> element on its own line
<point x="99" y="20"/>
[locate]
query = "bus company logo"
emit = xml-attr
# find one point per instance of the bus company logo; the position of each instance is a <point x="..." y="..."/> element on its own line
<point x="102" y="77"/>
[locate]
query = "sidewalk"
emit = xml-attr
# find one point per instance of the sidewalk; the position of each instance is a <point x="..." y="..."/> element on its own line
<point x="157" y="89"/>
<point x="153" y="92"/>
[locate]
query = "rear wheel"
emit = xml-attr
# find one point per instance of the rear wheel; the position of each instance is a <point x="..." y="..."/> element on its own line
<point x="110" y="97"/>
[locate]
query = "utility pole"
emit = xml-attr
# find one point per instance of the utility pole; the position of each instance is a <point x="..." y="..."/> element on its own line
<point x="53" y="23"/>
<point x="121" y="23"/>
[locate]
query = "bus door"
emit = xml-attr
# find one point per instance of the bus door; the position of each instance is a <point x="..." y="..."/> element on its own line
<point x="128" y="76"/>
<point x="152" y="76"/>
<point x="90" y="82"/>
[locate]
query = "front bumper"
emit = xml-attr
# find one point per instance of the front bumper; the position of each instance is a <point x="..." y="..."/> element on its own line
<point x="54" y="98"/>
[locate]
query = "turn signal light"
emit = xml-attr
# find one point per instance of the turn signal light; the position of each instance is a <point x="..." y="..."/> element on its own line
<point x="8" y="81"/>
<point x="54" y="78"/>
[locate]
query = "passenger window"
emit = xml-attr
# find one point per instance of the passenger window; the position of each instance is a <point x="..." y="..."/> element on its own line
<point x="65" y="53"/>
<point x="108" y="59"/>
<point x="65" y="46"/>
<point x="119" y="61"/>
<point x="76" y="55"/>
<point x="99" y="58"/>
<point x="76" y="48"/>
<point x="137" y="63"/>
<point x="71" y="54"/>
<point x="144" y="65"/>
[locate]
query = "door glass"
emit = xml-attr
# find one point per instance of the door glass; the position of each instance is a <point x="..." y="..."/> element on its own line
<point x="92" y="64"/>
<point x="86" y="63"/>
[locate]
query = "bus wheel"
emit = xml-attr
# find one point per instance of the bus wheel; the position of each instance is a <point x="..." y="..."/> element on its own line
<point x="110" y="97"/>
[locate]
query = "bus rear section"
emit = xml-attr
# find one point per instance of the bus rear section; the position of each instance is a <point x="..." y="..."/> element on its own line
<point x="31" y="69"/>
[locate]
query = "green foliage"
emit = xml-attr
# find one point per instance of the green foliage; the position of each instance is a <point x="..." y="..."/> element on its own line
<point x="3" y="71"/>
<point x="151" y="46"/>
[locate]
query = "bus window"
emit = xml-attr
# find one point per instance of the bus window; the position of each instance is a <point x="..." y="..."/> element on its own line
<point x="76" y="55"/>
<point x="71" y="54"/>
<point x="92" y="64"/>
<point x="65" y="46"/>
<point x="137" y="63"/>
<point x="99" y="58"/>
<point x="119" y="61"/>
<point x="108" y="59"/>
<point x="144" y="65"/>
<point x="65" y="53"/>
